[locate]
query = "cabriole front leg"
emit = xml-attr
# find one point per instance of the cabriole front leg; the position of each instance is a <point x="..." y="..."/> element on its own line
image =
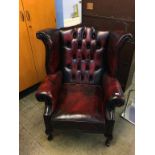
<point x="110" y="121"/>
<point x="47" y="121"/>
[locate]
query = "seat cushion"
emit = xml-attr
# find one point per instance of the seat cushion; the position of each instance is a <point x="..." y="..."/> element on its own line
<point x="80" y="102"/>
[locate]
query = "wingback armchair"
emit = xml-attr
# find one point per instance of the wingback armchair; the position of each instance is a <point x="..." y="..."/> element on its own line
<point x="81" y="90"/>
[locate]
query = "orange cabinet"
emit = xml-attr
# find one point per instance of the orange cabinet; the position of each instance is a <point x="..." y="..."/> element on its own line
<point x="34" y="15"/>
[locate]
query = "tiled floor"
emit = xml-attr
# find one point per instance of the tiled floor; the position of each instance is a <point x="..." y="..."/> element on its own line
<point x="33" y="140"/>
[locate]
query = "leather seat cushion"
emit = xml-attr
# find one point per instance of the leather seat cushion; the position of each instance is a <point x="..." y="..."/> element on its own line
<point x="80" y="102"/>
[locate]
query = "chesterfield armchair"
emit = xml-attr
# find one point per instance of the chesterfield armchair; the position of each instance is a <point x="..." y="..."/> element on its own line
<point x="81" y="90"/>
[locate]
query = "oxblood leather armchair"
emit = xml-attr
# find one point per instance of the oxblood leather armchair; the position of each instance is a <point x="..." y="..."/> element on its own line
<point x="81" y="89"/>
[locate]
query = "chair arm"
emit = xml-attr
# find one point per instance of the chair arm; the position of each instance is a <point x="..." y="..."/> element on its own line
<point x="46" y="36"/>
<point x="113" y="94"/>
<point x="48" y="90"/>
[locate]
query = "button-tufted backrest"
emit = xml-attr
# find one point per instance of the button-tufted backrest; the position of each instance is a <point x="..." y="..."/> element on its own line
<point x="83" y="54"/>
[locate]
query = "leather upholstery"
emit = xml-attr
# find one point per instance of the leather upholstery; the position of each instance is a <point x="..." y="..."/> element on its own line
<point x="50" y="88"/>
<point x="80" y="101"/>
<point x="115" y="43"/>
<point x="51" y="40"/>
<point x="113" y="94"/>
<point x="83" y="55"/>
<point x="81" y="82"/>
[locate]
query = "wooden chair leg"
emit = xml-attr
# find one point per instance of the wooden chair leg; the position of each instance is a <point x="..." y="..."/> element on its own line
<point x="109" y="132"/>
<point x="48" y="128"/>
<point x="47" y="121"/>
<point x="108" y="141"/>
<point x="50" y="136"/>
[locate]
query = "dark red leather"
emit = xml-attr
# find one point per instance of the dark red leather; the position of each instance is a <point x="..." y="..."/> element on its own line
<point x="82" y="99"/>
<point x="51" y="39"/>
<point x="81" y="65"/>
<point x="115" y="44"/>
<point x="112" y="91"/>
<point x="50" y="87"/>
<point x="83" y="55"/>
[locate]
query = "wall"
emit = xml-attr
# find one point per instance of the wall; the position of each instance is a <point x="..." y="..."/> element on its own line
<point x="113" y="15"/>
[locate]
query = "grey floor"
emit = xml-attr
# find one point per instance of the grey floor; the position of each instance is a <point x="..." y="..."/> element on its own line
<point x="33" y="140"/>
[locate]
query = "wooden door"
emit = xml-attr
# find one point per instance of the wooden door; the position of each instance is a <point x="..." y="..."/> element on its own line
<point x="40" y="14"/>
<point x="27" y="71"/>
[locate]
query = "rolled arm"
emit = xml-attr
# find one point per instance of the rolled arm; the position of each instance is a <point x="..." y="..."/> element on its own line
<point x="113" y="94"/>
<point x="48" y="90"/>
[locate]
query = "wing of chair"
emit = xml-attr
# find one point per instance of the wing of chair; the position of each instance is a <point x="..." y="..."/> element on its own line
<point x="81" y="90"/>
